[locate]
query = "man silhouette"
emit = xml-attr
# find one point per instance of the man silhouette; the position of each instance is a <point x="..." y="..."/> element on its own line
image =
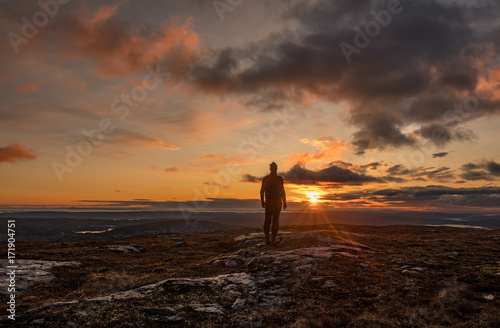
<point x="272" y="192"/>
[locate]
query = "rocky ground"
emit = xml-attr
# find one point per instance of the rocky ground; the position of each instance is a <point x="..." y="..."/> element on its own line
<point x="321" y="276"/>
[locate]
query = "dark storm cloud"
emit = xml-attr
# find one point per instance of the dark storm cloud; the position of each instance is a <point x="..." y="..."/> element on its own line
<point x="379" y="132"/>
<point x="431" y="191"/>
<point x="298" y="174"/>
<point x="420" y="71"/>
<point x="250" y="178"/>
<point x="493" y="168"/>
<point x="336" y="174"/>
<point x="483" y="170"/>
<point x="440" y="155"/>
<point x="437" y="196"/>
<point x="441" y="135"/>
<point x="347" y="173"/>
<point x="417" y="70"/>
<point x="429" y="196"/>
<point x="472" y="175"/>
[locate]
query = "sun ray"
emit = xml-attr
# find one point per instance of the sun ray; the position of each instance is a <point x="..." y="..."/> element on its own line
<point x="313" y="197"/>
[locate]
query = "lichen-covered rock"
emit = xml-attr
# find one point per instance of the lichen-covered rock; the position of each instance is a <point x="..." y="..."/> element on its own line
<point x="210" y="308"/>
<point x="239" y="304"/>
<point x="165" y="311"/>
<point x="180" y="244"/>
<point x="29" y="273"/>
<point x="125" y="248"/>
<point x="170" y="319"/>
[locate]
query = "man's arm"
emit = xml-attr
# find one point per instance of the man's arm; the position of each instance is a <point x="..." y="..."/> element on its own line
<point x="262" y="193"/>
<point x="283" y="194"/>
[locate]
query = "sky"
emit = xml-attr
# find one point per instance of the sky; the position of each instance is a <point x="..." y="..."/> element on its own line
<point x="159" y="104"/>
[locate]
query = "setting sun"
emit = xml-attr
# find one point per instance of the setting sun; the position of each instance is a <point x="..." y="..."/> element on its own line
<point x="313" y="197"/>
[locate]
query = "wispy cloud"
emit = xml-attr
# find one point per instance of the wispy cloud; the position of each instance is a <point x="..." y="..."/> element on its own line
<point x="326" y="148"/>
<point x="482" y="170"/>
<point x="439" y="174"/>
<point x="131" y="137"/>
<point x="116" y="46"/>
<point x="171" y="169"/>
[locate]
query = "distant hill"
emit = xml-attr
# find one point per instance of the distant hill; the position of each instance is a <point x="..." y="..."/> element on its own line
<point x="71" y="226"/>
<point x="63" y="229"/>
<point x="170" y="226"/>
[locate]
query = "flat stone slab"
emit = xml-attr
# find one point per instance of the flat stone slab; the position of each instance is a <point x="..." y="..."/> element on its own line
<point x="210" y="308"/>
<point x="29" y="273"/>
<point x="256" y="235"/>
<point x="124" y="248"/>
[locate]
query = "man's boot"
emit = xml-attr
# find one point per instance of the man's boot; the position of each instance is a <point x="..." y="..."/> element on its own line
<point x="267" y="239"/>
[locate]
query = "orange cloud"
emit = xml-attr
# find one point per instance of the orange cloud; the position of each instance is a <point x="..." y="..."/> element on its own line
<point x="166" y="170"/>
<point x="27" y="88"/>
<point x="327" y="148"/>
<point x="16" y="152"/>
<point x="215" y="160"/>
<point x="488" y="86"/>
<point x="117" y="48"/>
<point x="212" y="156"/>
<point x="139" y="139"/>
<point x="162" y="144"/>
